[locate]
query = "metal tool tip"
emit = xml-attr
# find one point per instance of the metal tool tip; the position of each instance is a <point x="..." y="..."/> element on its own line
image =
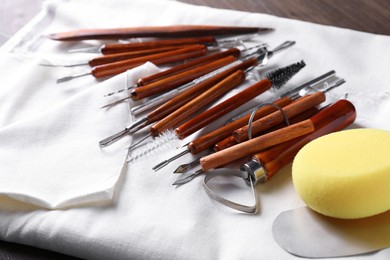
<point x="160" y="165"/>
<point x="184" y="179"/>
<point x="111" y="139"/>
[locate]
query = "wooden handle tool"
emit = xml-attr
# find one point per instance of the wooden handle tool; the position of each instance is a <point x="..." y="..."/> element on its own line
<point x="179" y="79"/>
<point x="154" y="31"/>
<point x="113" y="48"/>
<point x="267" y="163"/>
<point x="198" y="103"/>
<point x="230" y="141"/>
<point x="256" y="145"/>
<point x="158" y="59"/>
<point x="277" y="117"/>
<point x="208" y="140"/>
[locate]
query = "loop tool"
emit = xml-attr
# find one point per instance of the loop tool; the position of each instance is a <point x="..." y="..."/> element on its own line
<point x="234" y="205"/>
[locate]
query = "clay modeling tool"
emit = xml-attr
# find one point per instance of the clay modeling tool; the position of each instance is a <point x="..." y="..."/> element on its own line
<point x="183" y="98"/>
<point x="186" y="66"/>
<point x="341" y="109"/>
<point x="260" y="55"/>
<point x="275" y="79"/>
<point x="258" y="125"/>
<point x="158" y="59"/>
<point x="175" y="103"/>
<point x="307" y="234"/>
<point x="268" y="162"/>
<point x="122" y="47"/>
<point x="155" y="31"/>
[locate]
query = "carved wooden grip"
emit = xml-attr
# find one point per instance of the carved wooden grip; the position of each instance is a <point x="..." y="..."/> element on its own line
<point x="255" y="145"/>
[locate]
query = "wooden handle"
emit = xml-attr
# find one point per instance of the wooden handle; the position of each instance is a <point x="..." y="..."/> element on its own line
<point x="154" y="31"/>
<point x="158" y="59"/>
<point x="112" y="48"/>
<point x="212" y="138"/>
<point x="188" y="65"/>
<point x="190" y="93"/>
<point x="230" y="141"/>
<point x="331" y="119"/>
<point x="223" y="108"/>
<point x="198" y="103"/>
<point x="255" y="145"/>
<point x="277" y="117"/>
<point x="178" y="79"/>
<point x="109" y="58"/>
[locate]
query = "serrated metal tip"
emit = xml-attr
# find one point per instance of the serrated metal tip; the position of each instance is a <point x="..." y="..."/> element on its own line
<point x="280" y="76"/>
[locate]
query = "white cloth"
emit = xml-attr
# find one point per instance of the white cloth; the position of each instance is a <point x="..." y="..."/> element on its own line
<point x="147" y="218"/>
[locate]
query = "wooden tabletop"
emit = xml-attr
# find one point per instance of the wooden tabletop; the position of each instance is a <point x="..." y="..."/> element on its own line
<point x="363" y="15"/>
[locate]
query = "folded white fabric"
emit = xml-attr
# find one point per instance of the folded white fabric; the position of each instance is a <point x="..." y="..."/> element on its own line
<point x="52" y="159"/>
<point x="147" y="218"/>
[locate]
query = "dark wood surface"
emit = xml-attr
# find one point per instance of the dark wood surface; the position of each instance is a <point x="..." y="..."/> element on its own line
<point x="363" y="15"/>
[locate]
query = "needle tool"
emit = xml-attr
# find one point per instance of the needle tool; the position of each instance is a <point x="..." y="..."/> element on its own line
<point x="276" y="79"/>
<point x="155" y="31"/>
<point x="115" y="68"/>
<point x="183" y="98"/>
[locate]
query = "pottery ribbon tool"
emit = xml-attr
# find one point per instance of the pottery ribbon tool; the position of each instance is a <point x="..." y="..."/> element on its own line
<point x="154" y="31"/>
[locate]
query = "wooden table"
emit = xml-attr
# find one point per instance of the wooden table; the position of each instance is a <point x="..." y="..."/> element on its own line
<point x="363" y="15"/>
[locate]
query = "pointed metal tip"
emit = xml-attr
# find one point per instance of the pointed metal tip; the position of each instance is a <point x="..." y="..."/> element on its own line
<point x="181" y="169"/>
<point x="111" y="139"/>
<point x="184" y="179"/>
<point x="115" y="102"/>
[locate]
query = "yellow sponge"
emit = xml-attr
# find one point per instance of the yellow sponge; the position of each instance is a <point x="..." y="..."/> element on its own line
<point x="345" y="174"/>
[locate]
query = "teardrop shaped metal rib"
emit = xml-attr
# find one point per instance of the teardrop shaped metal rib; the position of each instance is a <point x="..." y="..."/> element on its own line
<point x="226" y="172"/>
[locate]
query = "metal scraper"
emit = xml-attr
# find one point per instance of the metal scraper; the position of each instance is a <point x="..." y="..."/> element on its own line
<point x="305" y="233"/>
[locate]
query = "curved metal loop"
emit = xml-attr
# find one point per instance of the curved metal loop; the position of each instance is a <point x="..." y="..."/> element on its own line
<point x="250" y="121"/>
<point x="230" y="172"/>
